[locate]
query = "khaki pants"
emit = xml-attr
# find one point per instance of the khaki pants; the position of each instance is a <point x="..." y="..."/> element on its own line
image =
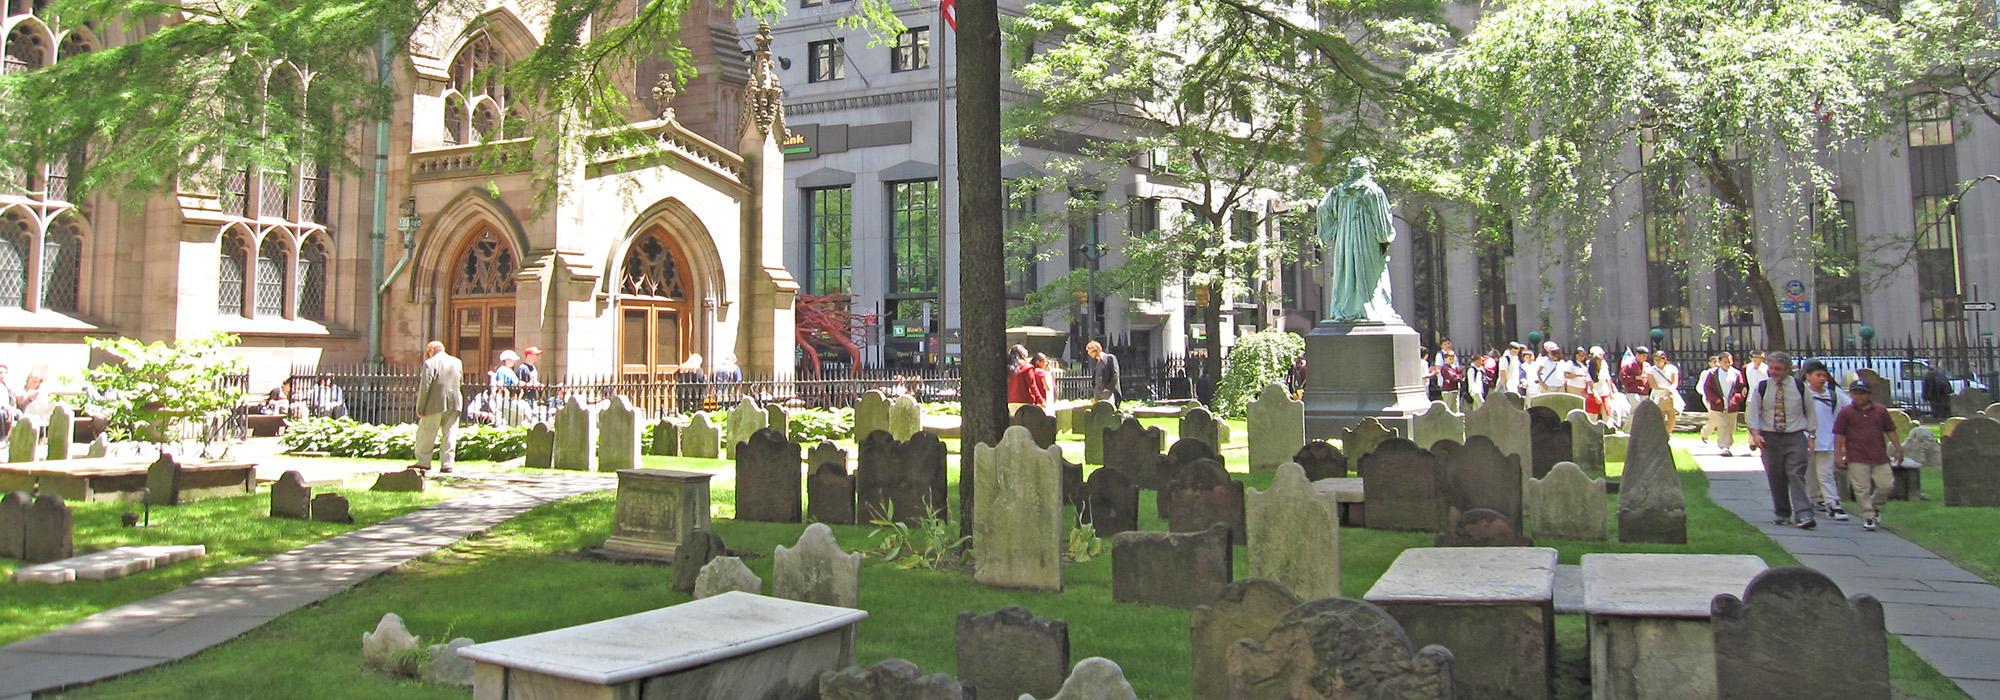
<point x="428" y="435"/>
<point x="1667" y="410"/>
<point x="1826" y="487"/>
<point x="1724" y="425"/>
<point x="1872" y="483"/>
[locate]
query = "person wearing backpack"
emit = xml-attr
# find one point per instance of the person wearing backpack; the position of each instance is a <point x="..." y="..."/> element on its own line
<point x="1722" y="394"/>
<point x="1827" y="402"/>
<point x="1782" y="425"/>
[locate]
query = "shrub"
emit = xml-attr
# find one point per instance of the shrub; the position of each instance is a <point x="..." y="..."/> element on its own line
<point x="345" y="437"/>
<point x="154" y="389"/>
<point x="814" y="424"/>
<point x="1256" y="360"/>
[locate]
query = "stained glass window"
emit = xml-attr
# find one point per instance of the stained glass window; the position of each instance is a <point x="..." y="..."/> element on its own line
<point x="15" y="238"/>
<point x="229" y="276"/>
<point x="272" y="262"/>
<point x="62" y="265"/>
<point x="651" y="271"/>
<point x="485" y="269"/>
<point x="312" y="279"/>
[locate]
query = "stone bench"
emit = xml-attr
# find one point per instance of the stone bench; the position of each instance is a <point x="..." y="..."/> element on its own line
<point x="1493" y="607"/>
<point x="119" y="479"/>
<point x="108" y="564"/>
<point x="1348" y="496"/>
<point x="734" y="645"/>
<point x="1649" y="620"/>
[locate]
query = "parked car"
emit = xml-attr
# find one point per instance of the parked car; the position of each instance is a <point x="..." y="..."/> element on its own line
<point x="1905" y="375"/>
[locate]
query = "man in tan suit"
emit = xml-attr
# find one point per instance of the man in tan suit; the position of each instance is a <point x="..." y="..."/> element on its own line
<point x="438" y="402"/>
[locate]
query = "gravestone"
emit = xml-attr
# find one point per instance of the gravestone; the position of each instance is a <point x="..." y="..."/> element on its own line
<point x="1881" y="388"/>
<point x="1480" y="527"/>
<point x="331" y="508"/>
<point x="618" y="436"/>
<point x="99" y="447"/>
<point x="1204" y="497"/>
<point x="384" y="649"/>
<point x="696" y="551"/>
<point x="1102" y="416"/>
<point x="576" y="437"/>
<point x="1095" y="678"/>
<point x="1200" y="424"/>
<point x="1135" y="449"/>
<point x="1477" y="476"/>
<point x="1363" y="437"/>
<point x="1338" y="648"/>
<point x="1169" y="467"/>
<point x="541" y="448"/>
<point x="1401" y="483"/>
<point x="767" y="478"/>
<point x="1586" y="443"/>
<point x="1757" y="649"/>
<point x="50" y="532"/>
<point x="1072" y="479"/>
<point x="62" y="428"/>
<point x="871" y="413"/>
<point x="1497" y="394"/>
<point x="409" y="480"/>
<point x="666" y="439"/>
<point x="1506" y="424"/>
<point x="656" y="510"/>
<point x="701" y="438"/>
<point x="1970" y="402"/>
<point x="743" y="421"/>
<point x="1550" y="441"/>
<point x="21" y="440"/>
<point x="1321" y="460"/>
<point x="1949" y="425"/>
<point x="901" y="481"/>
<point x="906" y="417"/>
<point x="1493" y="606"/>
<point x="1019" y="497"/>
<point x="1436" y="423"/>
<point x="1039" y="422"/>
<point x="14" y="524"/>
<point x="1920" y="450"/>
<point x="723" y="575"/>
<point x="1182" y="569"/>
<point x="1651" y="507"/>
<point x="291" y="497"/>
<point x="1902" y="420"/>
<point x="1295" y="535"/>
<point x="1277" y="428"/>
<point x="446" y="667"/>
<point x="1561" y="404"/>
<point x="894" y="679"/>
<point x="1111" y="502"/>
<point x="1011" y="652"/>
<point x="829" y="488"/>
<point x="163" y="480"/>
<point x="816" y="571"/>
<point x="779" y="419"/>
<point x="1972" y="464"/>
<point x="1568" y="505"/>
<point x="1246" y="609"/>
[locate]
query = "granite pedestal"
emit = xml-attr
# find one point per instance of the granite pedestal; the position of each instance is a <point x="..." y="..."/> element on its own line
<point x="1649" y="621"/>
<point x="1493" y="607"/>
<point x="1362" y="370"/>
<point x="657" y="508"/>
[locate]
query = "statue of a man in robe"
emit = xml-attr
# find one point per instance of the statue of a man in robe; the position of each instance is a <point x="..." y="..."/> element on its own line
<point x="1355" y="230"/>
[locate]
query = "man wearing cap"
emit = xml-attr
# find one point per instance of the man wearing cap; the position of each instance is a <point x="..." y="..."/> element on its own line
<point x="1863" y="433"/>
<point x="438" y="403"/>
<point x="1827" y="401"/>
<point x="1547" y="376"/>
<point x="1782" y="425"/>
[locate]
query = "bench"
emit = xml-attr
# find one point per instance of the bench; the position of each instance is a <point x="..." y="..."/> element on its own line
<point x="734" y="645"/>
<point x="1649" y="620"/>
<point x="1493" y="607"/>
<point x="119" y="479"/>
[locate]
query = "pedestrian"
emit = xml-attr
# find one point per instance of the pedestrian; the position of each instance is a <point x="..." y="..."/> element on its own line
<point x="1827" y="401"/>
<point x="1756" y="369"/>
<point x="1018" y="366"/>
<point x="1937" y="392"/>
<point x="1862" y="435"/>
<point x="1722" y="393"/>
<point x="1701" y="381"/>
<point x="1547" y="371"/>
<point x="726" y="370"/>
<point x="691" y="385"/>
<point x="1782" y="425"/>
<point x="1664" y="382"/>
<point x="530" y="368"/>
<point x="1508" y="378"/>
<point x="1632" y="376"/>
<point x="1451" y="377"/>
<point x="1603" y="384"/>
<point x="439" y="401"/>
<point x="325" y="399"/>
<point x="1576" y="374"/>
<point x="1040" y="383"/>
<point x="1104" y="374"/>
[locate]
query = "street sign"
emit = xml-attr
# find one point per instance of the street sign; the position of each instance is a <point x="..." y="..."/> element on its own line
<point x="1971" y="306"/>
<point x="1795" y="290"/>
<point x="1794" y="307"/>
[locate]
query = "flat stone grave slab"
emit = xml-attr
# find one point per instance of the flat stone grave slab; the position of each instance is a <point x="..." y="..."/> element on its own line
<point x="121" y="479"/>
<point x="733" y="645"/>
<point x="1494" y="607"/>
<point x="1649" y="620"/>
<point x="108" y="564"/>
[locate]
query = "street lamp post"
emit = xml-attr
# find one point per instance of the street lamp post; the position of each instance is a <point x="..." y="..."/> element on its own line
<point x="1091" y="253"/>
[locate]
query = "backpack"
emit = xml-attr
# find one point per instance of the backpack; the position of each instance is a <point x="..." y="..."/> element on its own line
<point x="1797" y="381"/>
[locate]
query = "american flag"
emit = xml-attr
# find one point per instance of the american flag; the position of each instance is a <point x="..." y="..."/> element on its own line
<point x="949" y="8"/>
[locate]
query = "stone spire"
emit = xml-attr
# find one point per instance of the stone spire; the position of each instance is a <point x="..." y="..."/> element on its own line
<point x="763" y="106"/>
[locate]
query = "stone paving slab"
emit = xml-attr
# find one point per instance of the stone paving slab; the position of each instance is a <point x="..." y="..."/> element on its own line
<point x="108" y="564"/>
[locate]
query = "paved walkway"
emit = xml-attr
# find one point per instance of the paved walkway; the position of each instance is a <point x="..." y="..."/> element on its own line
<point x="1949" y="616"/>
<point x="215" y="609"/>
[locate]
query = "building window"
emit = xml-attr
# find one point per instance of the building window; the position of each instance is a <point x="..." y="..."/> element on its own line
<point x="1144" y="220"/>
<point x="312" y="193"/>
<point x="234" y="261"/>
<point x="1736" y="299"/>
<point x="1085" y="232"/>
<point x="828" y="60"/>
<point x="1240" y="104"/>
<point x="62" y="265"/>
<point x="1837" y="277"/>
<point x="275" y="198"/>
<point x="1939" y="271"/>
<point x="475" y="96"/>
<point x="26" y="50"/>
<point x="1017" y="219"/>
<point x="273" y="261"/>
<point x="16" y="235"/>
<point x="913" y="50"/>
<point x="236" y="192"/>
<point x="312" y="279"/>
<point x="1427" y="268"/>
<point x="829" y="240"/>
<point x="1496" y="303"/>
<point x="1243" y="229"/>
<point x="913" y="231"/>
<point x="1662" y="222"/>
<point x="1930" y="120"/>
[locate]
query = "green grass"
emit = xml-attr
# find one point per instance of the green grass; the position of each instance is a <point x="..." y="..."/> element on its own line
<point x="1963" y="534"/>
<point x="522" y="578"/>
<point x="236" y="530"/>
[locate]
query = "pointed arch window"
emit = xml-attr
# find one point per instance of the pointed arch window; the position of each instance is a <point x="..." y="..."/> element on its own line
<point x="476" y="97"/>
<point x="62" y="265"/>
<point x="486" y="268"/>
<point x="229" y="276"/>
<point x="16" y="236"/>
<point x="27" y="49"/>
<point x="312" y="279"/>
<point x="651" y="270"/>
<point x="273" y="261"/>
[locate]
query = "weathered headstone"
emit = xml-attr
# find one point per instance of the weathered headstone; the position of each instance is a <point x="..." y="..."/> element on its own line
<point x="1246" y="609"/>
<point x="666" y="439"/>
<point x="1181" y="569"/>
<point x="1171" y="466"/>
<point x="723" y="575"/>
<point x="1072" y="480"/>
<point x="1338" y="648"/>
<point x="1040" y="423"/>
<point x="1881" y="388"/>
<point x="1549" y="439"/>
<point x="163" y="480"/>
<point x="779" y="419"/>
<point x="1970" y="402"/>
<point x="816" y="570"/>
<point x="1757" y="649"/>
<point x="1436" y="423"/>
<point x="1095" y="678"/>
<point x="14" y="524"/>
<point x="1020" y="528"/>
<point x="291" y="497"/>
<point x="1363" y="437"/>
<point x="99" y="447"/>
<point x="1477" y="475"/>
<point x="1972" y="464"/>
<point x="1134" y="448"/>
<point x="701" y="438"/>
<point x="1277" y="428"/>
<point x="1200" y="424"/>
<point x="1507" y="425"/>
<point x="331" y="508"/>
<point x="21" y="440"/>
<point x="446" y="667"/>
<point x="901" y="481"/>
<point x="1321" y="460"/>
<point x="1111" y="502"/>
<point x="1011" y="652"/>
<point x="1295" y="535"/>
<point x="1561" y="404"/>
<point x="894" y="679"/>
<point x="1950" y="424"/>
<point x="409" y="480"/>
<point x="1586" y="443"/>
<point x="576" y="437"/>
<point x="656" y="510"/>
<point x="62" y="428"/>
<point x="1102" y="416"/>
<point x="1480" y="527"/>
<point x="871" y="413"/>
<point x="1651" y="507"/>
<point x="380" y="649"/>
<point x="1920" y="450"/>
<point x="744" y="420"/>
<point x="696" y="551"/>
<point x="541" y="448"/>
<point x="829" y="488"/>
<point x="906" y="417"/>
<point x="50" y="530"/>
<point x="1204" y="497"/>
<point x="618" y="436"/>
<point x="767" y="478"/>
<point x="1568" y="505"/>
<point x="1401" y="481"/>
<point x="1902" y="420"/>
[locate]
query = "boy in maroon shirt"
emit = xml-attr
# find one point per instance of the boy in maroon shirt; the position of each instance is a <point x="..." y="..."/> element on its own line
<point x="1862" y="434"/>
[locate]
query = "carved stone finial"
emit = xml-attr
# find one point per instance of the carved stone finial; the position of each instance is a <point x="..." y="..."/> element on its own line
<point x="663" y="94"/>
<point x="762" y="106"/>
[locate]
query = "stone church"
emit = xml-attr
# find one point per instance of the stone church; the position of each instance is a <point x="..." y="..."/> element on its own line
<point x="644" y="257"/>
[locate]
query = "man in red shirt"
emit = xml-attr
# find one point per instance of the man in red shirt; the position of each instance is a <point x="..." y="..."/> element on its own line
<point x="1862" y="434"/>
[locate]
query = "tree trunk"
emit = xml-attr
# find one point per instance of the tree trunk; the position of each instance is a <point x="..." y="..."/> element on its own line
<point x="982" y="293"/>
<point x="1740" y="222"/>
<point x="1212" y="365"/>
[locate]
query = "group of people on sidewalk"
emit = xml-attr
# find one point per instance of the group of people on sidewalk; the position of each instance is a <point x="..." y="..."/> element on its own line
<point x="1808" y="433"/>
<point x="1031" y="379"/>
<point x="1610" y="387"/>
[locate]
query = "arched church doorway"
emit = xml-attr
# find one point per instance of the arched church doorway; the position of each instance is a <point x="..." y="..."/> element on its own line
<point x="655" y="320"/>
<point x="482" y="298"/>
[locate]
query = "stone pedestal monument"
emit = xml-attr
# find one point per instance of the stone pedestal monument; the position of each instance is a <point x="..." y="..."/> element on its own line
<point x="1362" y="360"/>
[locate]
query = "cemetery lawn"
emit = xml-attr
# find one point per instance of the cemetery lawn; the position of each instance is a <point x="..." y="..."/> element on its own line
<point x="526" y="576"/>
<point x="1962" y="534"/>
<point x="237" y="531"/>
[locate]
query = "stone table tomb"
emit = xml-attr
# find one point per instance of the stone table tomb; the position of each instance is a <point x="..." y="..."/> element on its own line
<point x="1494" y="607"/>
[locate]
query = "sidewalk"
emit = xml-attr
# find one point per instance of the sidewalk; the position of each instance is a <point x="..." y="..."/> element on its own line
<point x="1949" y="616"/>
<point x="215" y="609"/>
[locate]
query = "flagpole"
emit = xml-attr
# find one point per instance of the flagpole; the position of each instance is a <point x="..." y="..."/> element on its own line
<point x="940" y="30"/>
